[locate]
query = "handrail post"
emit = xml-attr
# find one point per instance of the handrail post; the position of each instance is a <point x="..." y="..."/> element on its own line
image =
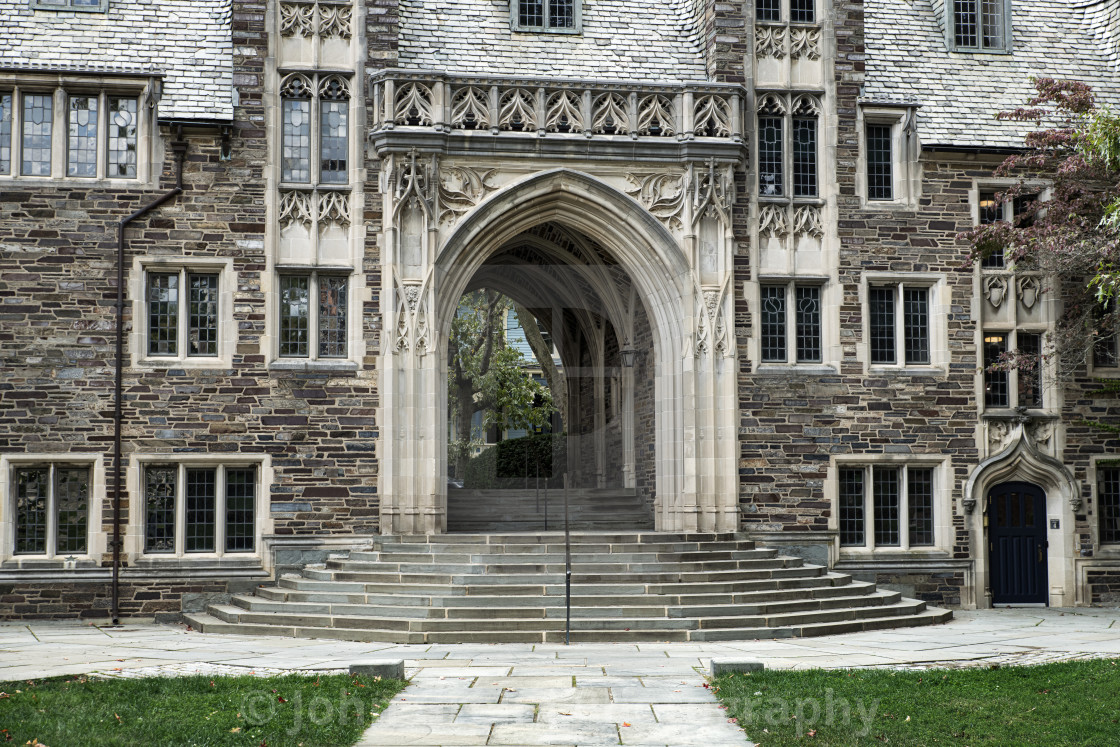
<point x="567" y="569"/>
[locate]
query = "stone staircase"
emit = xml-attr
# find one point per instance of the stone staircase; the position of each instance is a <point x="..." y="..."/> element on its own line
<point x="509" y="588"/>
<point x="527" y="510"/>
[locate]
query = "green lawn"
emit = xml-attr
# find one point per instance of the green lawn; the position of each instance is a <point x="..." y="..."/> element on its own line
<point x="1075" y="703"/>
<point x="329" y="710"/>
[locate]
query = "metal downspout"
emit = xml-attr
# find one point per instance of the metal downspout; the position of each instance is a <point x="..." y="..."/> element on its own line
<point x="179" y="146"/>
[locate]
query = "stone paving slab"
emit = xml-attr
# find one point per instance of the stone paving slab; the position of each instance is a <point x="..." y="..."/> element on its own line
<point x="518" y="694"/>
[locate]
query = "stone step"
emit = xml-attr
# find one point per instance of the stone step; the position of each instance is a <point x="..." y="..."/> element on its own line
<point x="554" y="557"/>
<point x="557" y="565"/>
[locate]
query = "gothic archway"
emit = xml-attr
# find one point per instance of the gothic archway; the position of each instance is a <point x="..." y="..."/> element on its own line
<point x="693" y="373"/>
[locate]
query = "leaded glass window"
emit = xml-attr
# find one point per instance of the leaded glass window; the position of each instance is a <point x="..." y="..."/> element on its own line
<point x="546" y="15"/>
<point x="315" y="129"/>
<point x="790" y="320"/>
<point x="32" y="497"/>
<point x="851" y="513"/>
<point x="122" y="123"/>
<point x="313" y="329"/>
<point x="72" y="509"/>
<point x="163" y="313"/>
<point x="334" y="141"/>
<point x="991" y="211"/>
<point x="886" y="506"/>
<point x="880" y="174"/>
<point x="770" y="156"/>
<point x="240" y="509"/>
<point x="332" y="316"/>
<point x="81" y="150"/>
<point x="802" y="11"/>
<point x="881" y="330"/>
<point x="915" y="325"/>
<point x="979" y="24"/>
<point x="202" y="324"/>
<point x="295" y="316"/>
<point x="808" y="324"/>
<point x="919" y="490"/>
<point x="216" y="506"/>
<point x="38" y="113"/>
<point x="5" y="132"/>
<point x="160" y="492"/>
<point x="773" y="323"/>
<point x="1108" y="503"/>
<point x="768" y="10"/>
<point x="997" y="386"/>
<point x="201" y="496"/>
<point x="296" y="140"/>
<point x="1030" y="369"/>
<point x="804" y="157"/>
<point x="51" y="511"/>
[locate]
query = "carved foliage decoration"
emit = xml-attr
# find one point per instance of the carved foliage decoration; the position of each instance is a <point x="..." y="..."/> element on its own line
<point x="469" y="109"/>
<point x="461" y="188"/>
<point x="517" y="111"/>
<point x="772" y="221"/>
<point x="807" y="221"/>
<point x="713" y="117"/>
<point x="610" y="114"/>
<point x="335" y="20"/>
<point x="413" y="105"/>
<point x="655" y="116"/>
<point x="663" y="195"/>
<point x="770" y="41"/>
<point x="412" y="331"/>
<point x="805" y="44"/>
<point x="998" y="431"/>
<point x="563" y="112"/>
<point x="296" y="207"/>
<point x="713" y="192"/>
<point x="297" y="19"/>
<point x="334" y="207"/>
<point x="711" y="327"/>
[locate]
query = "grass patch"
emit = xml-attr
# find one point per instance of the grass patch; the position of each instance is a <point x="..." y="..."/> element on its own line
<point x="1072" y="703"/>
<point x="327" y="710"/>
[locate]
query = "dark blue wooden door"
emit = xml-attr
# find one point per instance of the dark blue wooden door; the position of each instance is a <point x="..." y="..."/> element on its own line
<point x="1017" y="543"/>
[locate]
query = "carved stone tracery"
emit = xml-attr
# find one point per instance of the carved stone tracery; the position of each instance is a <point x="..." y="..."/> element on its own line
<point x="770" y="41"/>
<point x="663" y="195"/>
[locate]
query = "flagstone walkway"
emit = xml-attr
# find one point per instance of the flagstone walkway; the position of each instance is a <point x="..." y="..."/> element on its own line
<point x="584" y="694"/>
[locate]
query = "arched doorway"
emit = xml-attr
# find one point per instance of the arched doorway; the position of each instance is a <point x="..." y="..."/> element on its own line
<point x="1017" y="546"/>
<point x="691" y="371"/>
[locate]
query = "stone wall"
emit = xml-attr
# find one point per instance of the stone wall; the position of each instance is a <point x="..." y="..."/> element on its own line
<point x="1104" y="586"/>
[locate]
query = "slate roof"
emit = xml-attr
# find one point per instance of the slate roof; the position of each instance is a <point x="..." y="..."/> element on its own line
<point x="188" y="41"/>
<point x="621" y="40"/>
<point x="961" y="93"/>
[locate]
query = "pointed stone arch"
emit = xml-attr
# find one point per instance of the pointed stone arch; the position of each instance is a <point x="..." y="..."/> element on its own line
<point x="1021" y="460"/>
<point x="696" y="444"/>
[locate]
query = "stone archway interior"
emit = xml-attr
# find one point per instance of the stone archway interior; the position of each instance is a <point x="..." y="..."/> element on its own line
<point x="587" y="304"/>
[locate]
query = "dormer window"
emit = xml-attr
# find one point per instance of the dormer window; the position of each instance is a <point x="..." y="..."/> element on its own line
<point x="547" y="16"/>
<point x="980" y="25"/>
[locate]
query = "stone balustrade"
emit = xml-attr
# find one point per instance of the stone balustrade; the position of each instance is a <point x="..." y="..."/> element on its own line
<point x="544" y="107"/>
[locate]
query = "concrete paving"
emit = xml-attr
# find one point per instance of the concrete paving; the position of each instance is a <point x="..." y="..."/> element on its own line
<point x="584" y="694"/>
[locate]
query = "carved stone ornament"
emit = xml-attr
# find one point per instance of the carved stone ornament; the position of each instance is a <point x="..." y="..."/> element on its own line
<point x="411" y="329"/>
<point x="712" y="117"/>
<point x="772" y="221"/>
<point x="770" y="41"/>
<point x="335" y="20"/>
<point x="711" y="331"/>
<point x="663" y="195"/>
<point x="461" y="188"/>
<point x="413" y="105"/>
<point x="995" y="290"/>
<point x="1029" y="291"/>
<point x="1041" y="432"/>
<point x="805" y="44"/>
<point x="807" y="221"/>
<point x="334" y="207"/>
<point x="296" y="207"/>
<point x="998" y="431"/>
<point x="413" y="180"/>
<point x="470" y="109"/>
<point x="713" y="192"/>
<point x="297" y="19"/>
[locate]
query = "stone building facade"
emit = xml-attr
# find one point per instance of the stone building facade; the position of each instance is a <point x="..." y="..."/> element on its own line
<point x="738" y="221"/>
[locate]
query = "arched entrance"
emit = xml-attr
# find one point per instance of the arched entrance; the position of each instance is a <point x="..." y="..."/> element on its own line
<point x="1019" y="503"/>
<point x="563" y="216"/>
